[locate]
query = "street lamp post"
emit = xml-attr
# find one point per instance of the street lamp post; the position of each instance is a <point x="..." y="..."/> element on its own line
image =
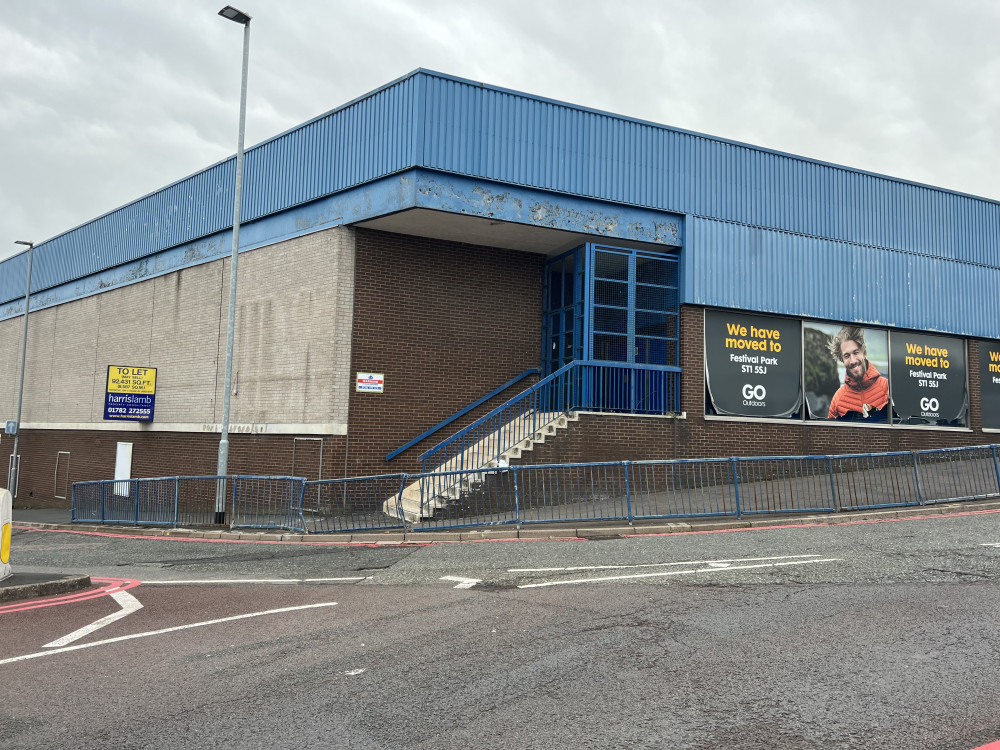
<point x="15" y="464"/>
<point x="240" y="17"/>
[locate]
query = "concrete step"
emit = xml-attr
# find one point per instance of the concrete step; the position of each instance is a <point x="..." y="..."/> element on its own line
<point x="415" y="510"/>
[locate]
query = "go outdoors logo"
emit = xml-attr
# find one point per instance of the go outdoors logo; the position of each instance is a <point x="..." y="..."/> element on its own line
<point x="930" y="407"/>
<point x="754" y="395"/>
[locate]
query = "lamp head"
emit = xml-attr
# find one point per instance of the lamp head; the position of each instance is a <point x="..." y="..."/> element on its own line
<point x="235" y="15"/>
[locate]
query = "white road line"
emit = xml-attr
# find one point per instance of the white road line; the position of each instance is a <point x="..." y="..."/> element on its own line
<point x="990" y="544"/>
<point x="671" y="573"/>
<point x="126" y="601"/>
<point x="253" y="580"/>
<point x="164" y="630"/>
<point x="659" y="565"/>
<point x="463" y="583"/>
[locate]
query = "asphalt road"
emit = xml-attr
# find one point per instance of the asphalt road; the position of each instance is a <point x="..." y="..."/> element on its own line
<point x="876" y="635"/>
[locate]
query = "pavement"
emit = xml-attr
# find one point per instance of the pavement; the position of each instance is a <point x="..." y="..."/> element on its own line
<point x="27" y="586"/>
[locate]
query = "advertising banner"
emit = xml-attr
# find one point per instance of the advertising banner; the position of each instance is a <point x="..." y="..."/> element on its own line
<point x="753" y="364"/>
<point x="130" y="394"/>
<point x="989" y="380"/>
<point x="845" y="372"/>
<point x="927" y="377"/>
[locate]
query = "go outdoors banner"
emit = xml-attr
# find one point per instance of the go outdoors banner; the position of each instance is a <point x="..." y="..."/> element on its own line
<point x="989" y="382"/>
<point x="927" y="377"/>
<point x="753" y="364"/>
<point x="756" y="366"/>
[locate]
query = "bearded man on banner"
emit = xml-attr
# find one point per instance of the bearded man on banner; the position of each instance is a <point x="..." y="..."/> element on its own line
<point x="864" y="394"/>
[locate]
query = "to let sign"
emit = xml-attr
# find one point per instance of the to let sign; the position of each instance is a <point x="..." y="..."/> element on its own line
<point x="130" y="394"/>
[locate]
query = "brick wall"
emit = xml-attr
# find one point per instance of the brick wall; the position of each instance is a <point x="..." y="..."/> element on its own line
<point x="446" y="323"/>
<point x="156" y="454"/>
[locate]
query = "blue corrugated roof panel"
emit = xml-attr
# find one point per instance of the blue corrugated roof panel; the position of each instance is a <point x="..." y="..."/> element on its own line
<point x="738" y="266"/>
<point x="465" y="128"/>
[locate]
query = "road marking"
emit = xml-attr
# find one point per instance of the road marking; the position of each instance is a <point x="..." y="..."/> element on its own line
<point x="110" y="586"/>
<point x="671" y="573"/>
<point x="126" y="601"/>
<point x="990" y="544"/>
<point x="353" y="672"/>
<point x="660" y="565"/>
<point x="278" y="581"/>
<point x="165" y="630"/>
<point x="463" y="583"/>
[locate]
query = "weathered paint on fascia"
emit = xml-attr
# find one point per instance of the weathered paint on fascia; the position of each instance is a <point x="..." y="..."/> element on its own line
<point x="537" y="208"/>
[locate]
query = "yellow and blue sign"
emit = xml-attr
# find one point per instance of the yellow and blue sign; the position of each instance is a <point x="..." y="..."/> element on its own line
<point x="130" y="394"/>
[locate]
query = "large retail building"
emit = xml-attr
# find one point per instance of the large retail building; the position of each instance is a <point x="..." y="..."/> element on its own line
<point x="439" y="240"/>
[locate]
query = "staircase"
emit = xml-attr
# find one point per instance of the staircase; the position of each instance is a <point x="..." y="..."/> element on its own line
<point x="421" y="499"/>
<point x="528" y="419"/>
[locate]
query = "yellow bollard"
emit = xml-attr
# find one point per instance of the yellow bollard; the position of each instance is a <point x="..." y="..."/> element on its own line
<point x="6" y="519"/>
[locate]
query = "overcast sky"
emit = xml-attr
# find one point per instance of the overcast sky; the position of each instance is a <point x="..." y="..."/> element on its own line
<point x="104" y="101"/>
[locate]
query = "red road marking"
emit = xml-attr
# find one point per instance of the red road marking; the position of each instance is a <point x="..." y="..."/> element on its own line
<point x="376" y="545"/>
<point x="820" y="525"/>
<point x="225" y="541"/>
<point x="991" y="746"/>
<point x="110" y="586"/>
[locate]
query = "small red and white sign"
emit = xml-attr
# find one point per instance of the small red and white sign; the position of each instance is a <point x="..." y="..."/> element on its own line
<point x="370" y="382"/>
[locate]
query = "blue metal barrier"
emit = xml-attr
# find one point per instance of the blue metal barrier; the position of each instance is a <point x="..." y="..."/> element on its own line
<point x="622" y="491"/>
<point x="160" y="501"/>
<point x="949" y="474"/>
<point x="683" y="488"/>
<point x="355" y="504"/>
<point x="264" y="502"/>
<point x="784" y="484"/>
<point x="866" y="481"/>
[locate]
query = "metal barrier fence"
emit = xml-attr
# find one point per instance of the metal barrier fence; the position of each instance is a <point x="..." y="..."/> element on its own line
<point x="163" y="501"/>
<point x="624" y="491"/>
<point x="254" y="502"/>
<point x="629" y="491"/>
<point x="261" y="502"/>
<point x="355" y="504"/>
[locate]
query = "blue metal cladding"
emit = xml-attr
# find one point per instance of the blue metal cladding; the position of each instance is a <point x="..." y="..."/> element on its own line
<point x="511" y="137"/>
<point x="732" y="265"/>
<point x="756" y="212"/>
<point x="354" y="144"/>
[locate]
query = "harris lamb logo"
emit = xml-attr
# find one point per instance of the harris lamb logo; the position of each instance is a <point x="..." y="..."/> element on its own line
<point x="754" y="395"/>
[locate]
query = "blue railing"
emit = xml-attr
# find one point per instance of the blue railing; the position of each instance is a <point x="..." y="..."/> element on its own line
<point x="738" y="487"/>
<point x="260" y="502"/>
<point x="457" y="415"/>
<point x="518" y="495"/>
<point x="581" y="385"/>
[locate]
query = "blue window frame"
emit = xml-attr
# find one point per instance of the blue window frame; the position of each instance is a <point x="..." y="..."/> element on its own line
<point x="610" y="304"/>
<point x="634" y="307"/>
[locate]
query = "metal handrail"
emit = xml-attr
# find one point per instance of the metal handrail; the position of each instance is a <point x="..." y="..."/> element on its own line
<point x="462" y="413"/>
<point x="576" y="385"/>
<point x="502" y="415"/>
